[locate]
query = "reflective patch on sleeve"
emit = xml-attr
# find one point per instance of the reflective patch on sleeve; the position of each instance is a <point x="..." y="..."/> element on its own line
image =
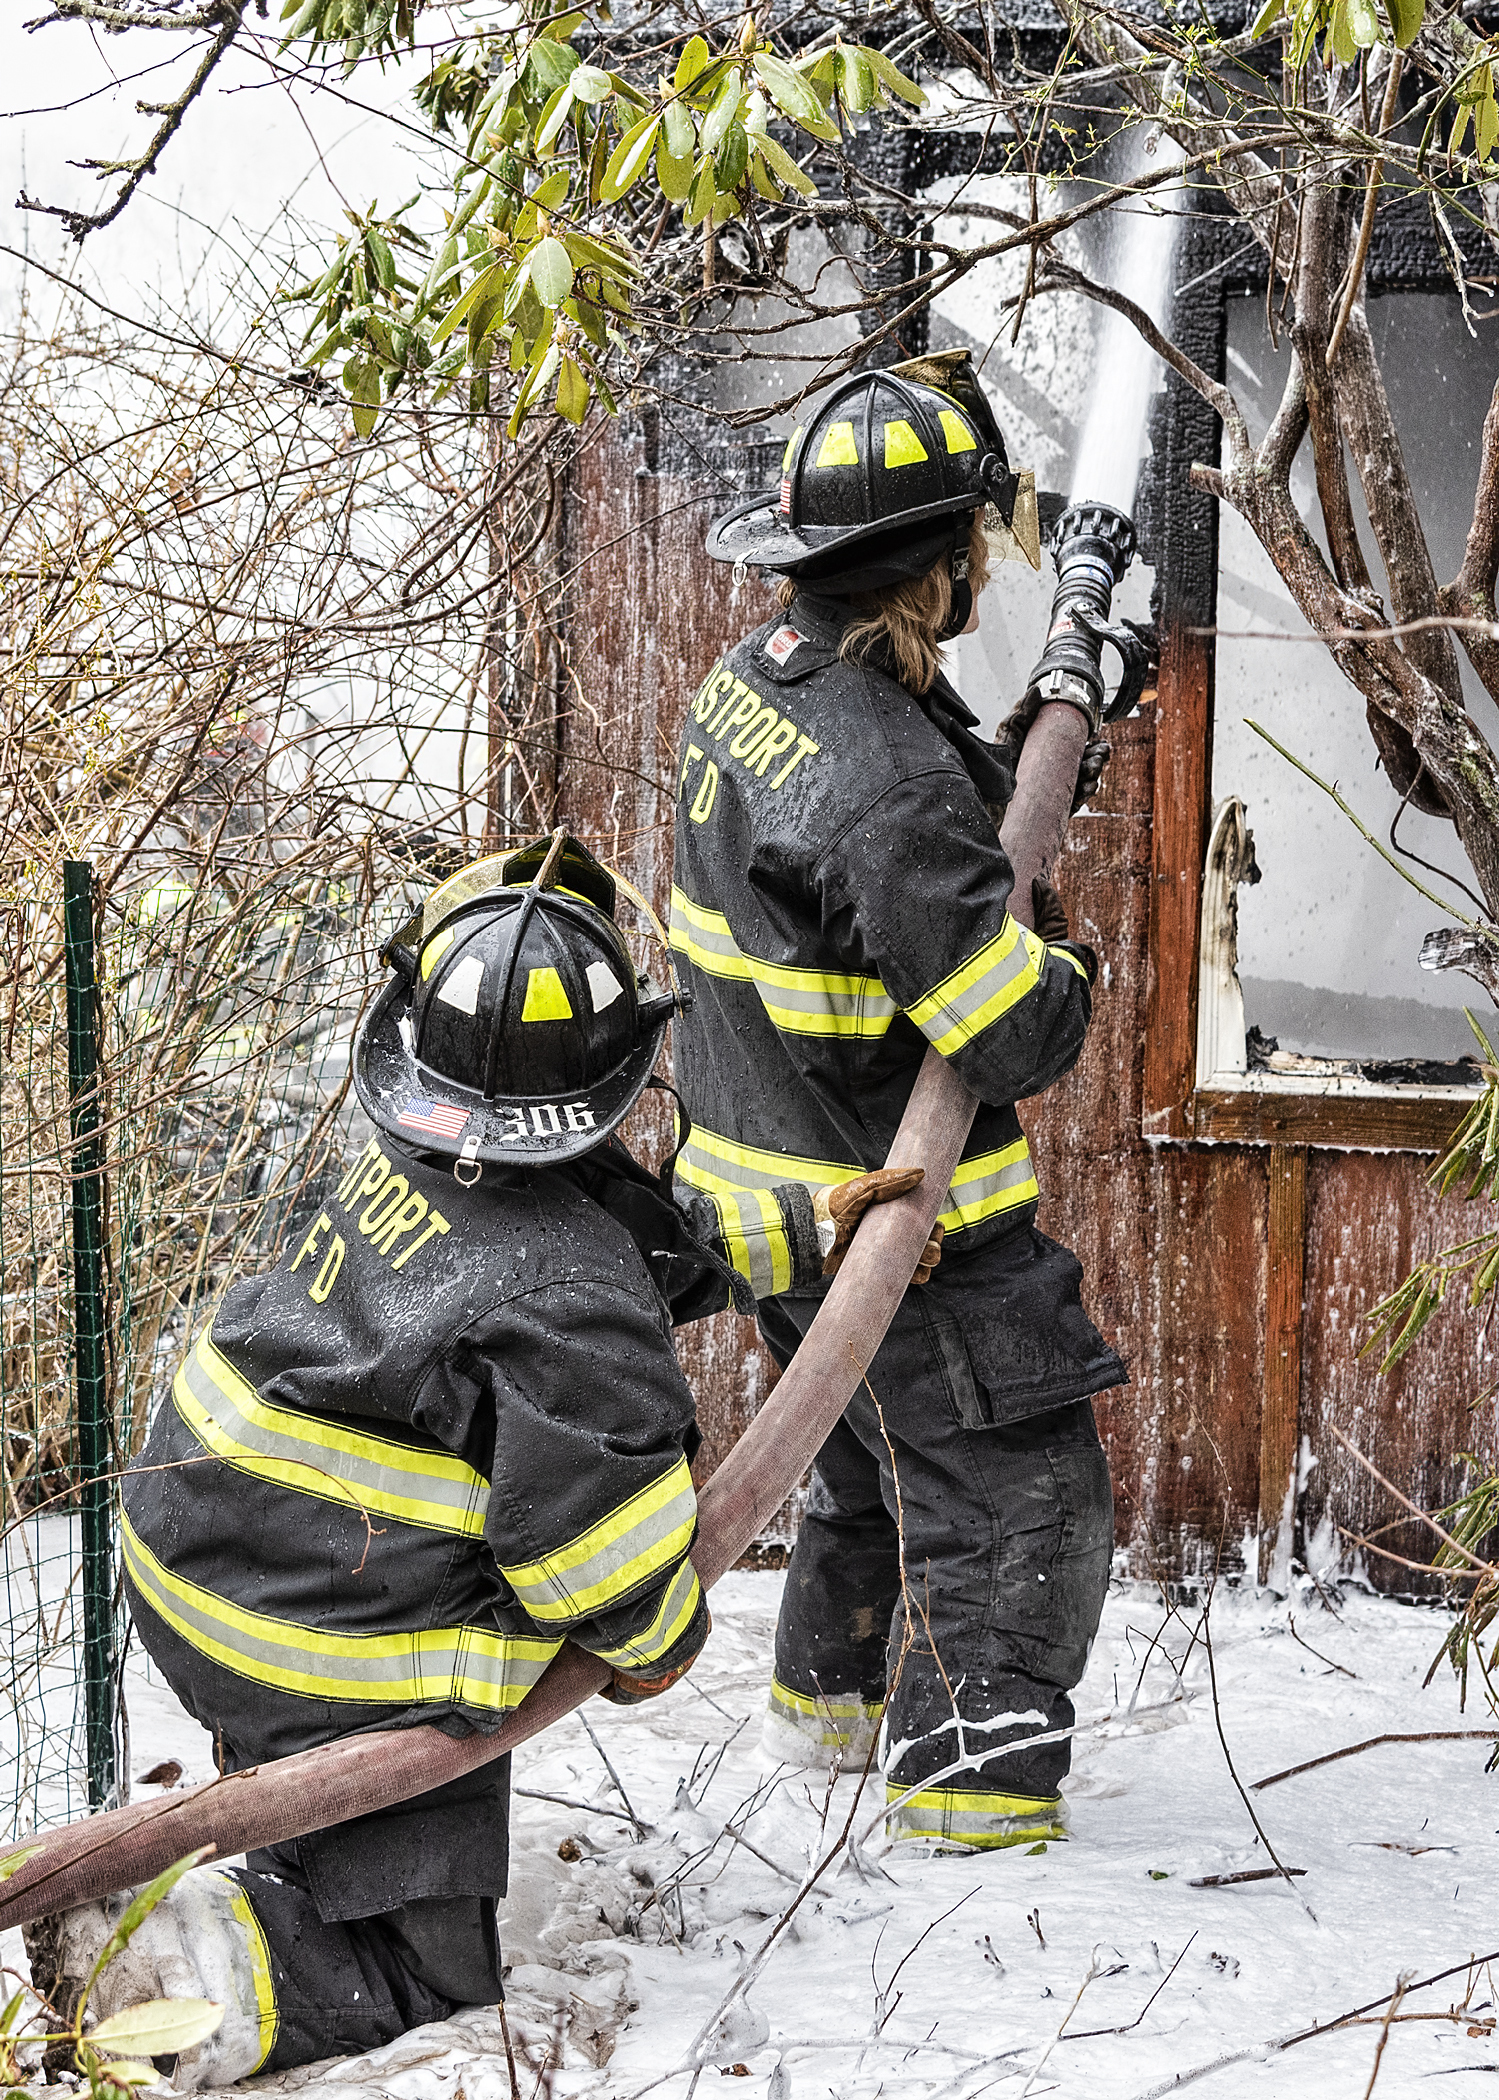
<point x="677" y="1609"/>
<point x="982" y="989"/>
<point x="754" y="1238"/>
<point x="613" y="1558"/>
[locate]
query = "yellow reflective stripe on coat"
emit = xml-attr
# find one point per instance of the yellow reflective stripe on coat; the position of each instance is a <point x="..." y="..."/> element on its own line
<point x="447" y="1665"/>
<point x="604" y="1564"/>
<point x="1066" y="955"/>
<point x="980" y="990"/>
<point x="684" y="1593"/>
<point x="314" y="1456"/>
<point x="985" y="1186"/>
<point x="260" y="1972"/>
<point x="754" y="1238"/>
<point x="798" y="1002"/>
<point x="986" y="1822"/>
<point x="989" y="1184"/>
<point x="718" y="1166"/>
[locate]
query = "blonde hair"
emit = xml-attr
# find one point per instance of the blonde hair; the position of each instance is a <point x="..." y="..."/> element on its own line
<point x="902" y="623"/>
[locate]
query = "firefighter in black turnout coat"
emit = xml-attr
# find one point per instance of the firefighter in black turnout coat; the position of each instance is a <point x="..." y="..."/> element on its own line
<point x="840" y="905"/>
<point x="445" y="1433"/>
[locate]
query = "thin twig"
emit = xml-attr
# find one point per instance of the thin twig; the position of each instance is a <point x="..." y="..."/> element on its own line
<point x="1207" y="1635"/>
<point x="1434" y="1735"/>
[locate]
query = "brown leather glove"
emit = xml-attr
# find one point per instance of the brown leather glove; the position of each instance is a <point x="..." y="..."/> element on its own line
<point x="847" y="1203"/>
<point x="1050" y="912"/>
<point x="634" y="1691"/>
<point x="1010" y="740"/>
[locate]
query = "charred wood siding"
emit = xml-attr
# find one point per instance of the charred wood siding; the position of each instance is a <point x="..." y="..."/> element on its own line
<point x="1237" y="1349"/>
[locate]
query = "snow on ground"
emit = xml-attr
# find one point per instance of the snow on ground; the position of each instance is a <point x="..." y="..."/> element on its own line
<point x="916" y="1977"/>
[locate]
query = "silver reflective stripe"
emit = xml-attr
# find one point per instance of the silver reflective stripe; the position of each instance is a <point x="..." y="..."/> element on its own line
<point x="838" y="1722"/>
<point x="984" y="1821"/>
<point x="798" y="1001"/>
<point x="980" y="990"/>
<point x="464" y="1664"/>
<point x="754" y="1237"/>
<point x="614" y="1557"/>
<point x="990" y="1183"/>
<point x="672" y="1620"/>
<point x="315" y="1456"/>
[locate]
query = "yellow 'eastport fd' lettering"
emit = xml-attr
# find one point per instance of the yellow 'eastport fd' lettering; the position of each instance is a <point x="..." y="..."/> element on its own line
<point x="727" y="708"/>
<point x="388" y="1208"/>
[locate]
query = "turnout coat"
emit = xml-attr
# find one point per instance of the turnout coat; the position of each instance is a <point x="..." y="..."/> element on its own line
<point x="840" y="904"/>
<point x="446" y="1432"/>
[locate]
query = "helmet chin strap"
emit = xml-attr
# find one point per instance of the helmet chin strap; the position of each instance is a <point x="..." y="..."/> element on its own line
<point x="962" y="589"/>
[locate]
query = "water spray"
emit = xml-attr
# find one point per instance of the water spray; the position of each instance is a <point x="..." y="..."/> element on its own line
<point x="1092" y="545"/>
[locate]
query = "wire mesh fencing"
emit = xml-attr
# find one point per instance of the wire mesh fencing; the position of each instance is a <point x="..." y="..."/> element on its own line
<point x="173" y="1081"/>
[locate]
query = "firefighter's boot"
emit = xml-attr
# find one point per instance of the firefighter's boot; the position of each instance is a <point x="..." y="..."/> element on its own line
<point x="201" y="1941"/>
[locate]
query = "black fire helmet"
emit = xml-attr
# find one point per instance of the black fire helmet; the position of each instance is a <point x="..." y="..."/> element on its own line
<point x="516" y="1029"/>
<point x="880" y="483"/>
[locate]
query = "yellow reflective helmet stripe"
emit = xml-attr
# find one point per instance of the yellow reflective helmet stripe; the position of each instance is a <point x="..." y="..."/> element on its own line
<point x="982" y="989"/>
<point x="798" y="1002"/>
<point x="613" y="1558"/>
<point x="986" y="1822"/>
<point x="546" y="997"/>
<point x="260" y="1972"/>
<point x="903" y="448"/>
<point x="754" y="1238"/>
<point x="838" y="448"/>
<point x="443" y="1665"/>
<point x="436" y="949"/>
<point x="955" y="429"/>
<point x="314" y="1456"/>
<point x="683" y="1595"/>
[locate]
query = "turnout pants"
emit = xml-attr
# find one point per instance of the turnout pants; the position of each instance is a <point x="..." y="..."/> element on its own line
<point x="952" y="1565"/>
<point x="340" y="1988"/>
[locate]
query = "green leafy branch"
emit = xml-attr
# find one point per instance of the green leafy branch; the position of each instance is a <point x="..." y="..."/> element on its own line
<point x="114" y="2055"/>
<point x="1347" y="27"/>
<point x="535" y="269"/>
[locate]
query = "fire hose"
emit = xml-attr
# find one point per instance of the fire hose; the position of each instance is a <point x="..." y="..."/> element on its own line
<point x="360" y="1774"/>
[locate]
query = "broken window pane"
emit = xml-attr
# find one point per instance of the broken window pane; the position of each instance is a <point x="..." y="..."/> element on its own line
<point x="1328" y="939"/>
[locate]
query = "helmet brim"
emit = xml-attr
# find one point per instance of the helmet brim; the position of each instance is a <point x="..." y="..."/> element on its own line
<point x="419" y="1107"/>
<point x="755" y="533"/>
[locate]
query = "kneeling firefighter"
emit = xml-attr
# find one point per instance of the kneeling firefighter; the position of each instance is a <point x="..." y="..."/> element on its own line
<point x="840" y="904"/>
<point x="444" y="1434"/>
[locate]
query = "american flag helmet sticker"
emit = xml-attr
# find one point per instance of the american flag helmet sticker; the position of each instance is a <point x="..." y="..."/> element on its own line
<point x="433" y="1118"/>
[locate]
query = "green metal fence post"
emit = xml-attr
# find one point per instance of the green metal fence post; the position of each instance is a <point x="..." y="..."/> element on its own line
<point x="91" y="1370"/>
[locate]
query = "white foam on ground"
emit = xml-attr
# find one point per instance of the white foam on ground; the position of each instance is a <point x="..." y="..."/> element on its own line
<point x="629" y="1951"/>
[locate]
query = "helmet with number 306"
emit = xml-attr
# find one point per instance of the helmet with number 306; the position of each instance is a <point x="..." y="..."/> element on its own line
<point x="517" y="1028"/>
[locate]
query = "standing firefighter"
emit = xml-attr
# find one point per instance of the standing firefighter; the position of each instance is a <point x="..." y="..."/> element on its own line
<point x="444" y="1434"/>
<point x="841" y="904"/>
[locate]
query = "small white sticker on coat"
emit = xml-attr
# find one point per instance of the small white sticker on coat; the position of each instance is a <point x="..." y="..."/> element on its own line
<point x="603" y="986"/>
<point x="460" y="987"/>
<point x="784" y="643"/>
